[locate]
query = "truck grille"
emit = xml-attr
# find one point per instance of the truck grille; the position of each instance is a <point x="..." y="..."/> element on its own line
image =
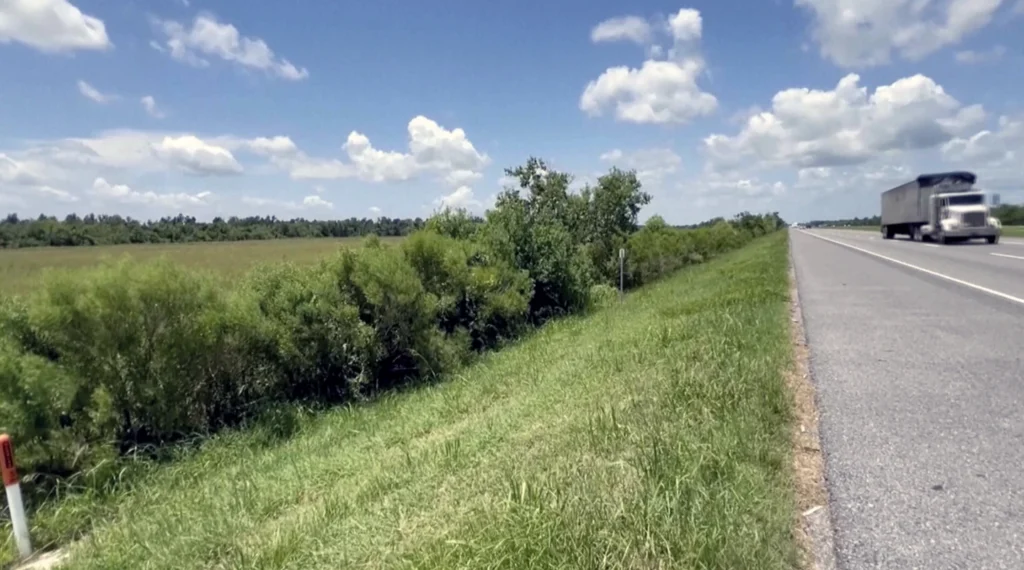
<point x="974" y="219"/>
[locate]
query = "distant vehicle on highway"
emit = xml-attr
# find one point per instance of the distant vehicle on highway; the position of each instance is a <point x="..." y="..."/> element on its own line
<point x="941" y="207"/>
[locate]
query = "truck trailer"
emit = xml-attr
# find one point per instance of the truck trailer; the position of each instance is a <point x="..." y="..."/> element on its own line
<point x="942" y="207"/>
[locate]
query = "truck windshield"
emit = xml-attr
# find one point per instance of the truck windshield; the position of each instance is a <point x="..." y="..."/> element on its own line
<point x="971" y="200"/>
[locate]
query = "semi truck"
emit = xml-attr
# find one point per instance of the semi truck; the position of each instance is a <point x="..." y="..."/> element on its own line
<point x="942" y="207"/>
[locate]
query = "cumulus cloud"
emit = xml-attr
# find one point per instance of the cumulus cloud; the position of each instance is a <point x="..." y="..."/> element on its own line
<point x="652" y="165"/>
<point x="124" y="194"/>
<point x="863" y="33"/>
<point x="207" y="37"/>
<point x="1003" y="144"/>
<point x="273" y="146"/>
<point x="624" y="28"/>
<point x="90" y="92"/>
<point x="686" y="25"/>
<point x="659" y="91"/>
<point x="196" y="156"/>
<point x="51" y="26"/>
<point x="432" y="149"/>
<point x="306" y="204"/>
<point x="462" y="197"/>
<point x="846" y="125"/>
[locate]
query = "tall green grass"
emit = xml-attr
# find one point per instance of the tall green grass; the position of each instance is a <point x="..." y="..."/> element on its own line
<point x="649" y="434"/>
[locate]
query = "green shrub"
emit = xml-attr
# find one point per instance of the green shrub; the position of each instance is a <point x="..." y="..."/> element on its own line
<point x="100" y="363"/>
<point x="390" y="298"/>
<point x="475" y="291"/>
<point x="119" y="357"/>
<point x="310" y="333"/>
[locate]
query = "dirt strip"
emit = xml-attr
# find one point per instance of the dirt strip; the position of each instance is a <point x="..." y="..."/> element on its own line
<point x="812" y="523"/>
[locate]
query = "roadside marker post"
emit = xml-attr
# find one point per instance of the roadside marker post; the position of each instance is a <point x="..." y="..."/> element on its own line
<point x="14" y="501"/>
<point x="622" y="259"/>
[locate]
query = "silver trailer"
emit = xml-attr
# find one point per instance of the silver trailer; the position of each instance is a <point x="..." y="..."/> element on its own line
<point x="940" y="207"/>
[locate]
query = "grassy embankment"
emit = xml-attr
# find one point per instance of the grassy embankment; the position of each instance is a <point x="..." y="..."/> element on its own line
<point x="651" y="434"/>
<point x="1008" y="231"/>
<point x="21" y="269"/>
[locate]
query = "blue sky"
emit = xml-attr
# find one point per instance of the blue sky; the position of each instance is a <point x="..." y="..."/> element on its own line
<point x="329" y="109"/>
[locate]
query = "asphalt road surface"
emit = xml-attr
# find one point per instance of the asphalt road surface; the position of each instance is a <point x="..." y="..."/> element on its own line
<point x="918" y="361"/>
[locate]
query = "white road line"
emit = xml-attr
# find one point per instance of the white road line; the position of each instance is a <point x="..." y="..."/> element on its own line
<point x="999" y="294"/>
<point x="1007" y="255"/>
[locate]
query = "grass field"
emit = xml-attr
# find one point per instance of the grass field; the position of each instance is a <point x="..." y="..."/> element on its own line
<point x="651" y="434"/>
<point x="20" y="269"/>
<point x="1008" y="231"/>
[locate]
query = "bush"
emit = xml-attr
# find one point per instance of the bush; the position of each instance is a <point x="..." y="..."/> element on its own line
<point x="475" y="291"/>
<point x="312" y="336"/>
<point x="99" y="363"/>
<point x="119" y="357"/>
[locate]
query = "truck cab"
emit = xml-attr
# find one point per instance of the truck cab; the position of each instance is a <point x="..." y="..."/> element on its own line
<point x="956" y="216"/>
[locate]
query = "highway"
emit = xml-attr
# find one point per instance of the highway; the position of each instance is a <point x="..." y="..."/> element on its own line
<point x="917" y="355"/>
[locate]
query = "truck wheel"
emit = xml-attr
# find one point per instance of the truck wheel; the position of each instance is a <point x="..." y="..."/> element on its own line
<point x="992" y="239"/>
<point x="886" y="234"/>
<point x="942" y="238"/>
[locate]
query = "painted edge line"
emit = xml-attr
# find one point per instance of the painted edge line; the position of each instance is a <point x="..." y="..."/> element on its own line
<point x="974" y="286"/>
<point x="1007" y="255"/>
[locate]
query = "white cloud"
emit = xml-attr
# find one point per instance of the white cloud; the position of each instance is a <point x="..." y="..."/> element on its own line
<point x="659" y="91"/>
<point x="686" y="25"/>
<point x="210" y="38"/>
<point x="652" y="165"/>
<point x="90" y="92"/>
<point x="375" y="210"/>
<point x="149" y="104"/>
<point x="307" y="203"/>
<point x="995" y="155"/>
<point x="273" y="146"/>
<point x="51" y="26"/>
<point x="462" y="197"/>
<point x="432" y="148"/>
<point x="623" y="28"/>
<point x="743" y="188"/>
<point x="317" y="201"/>
<point x="20" y="173"/>
<point x="844" y="126"/>
<point x="124" y="194"/>
<point x="863" y="179"/>
<point x="862" y="33"/>
<point x="56" y="194"/>
<point x="1001" y="147"/>
<point x="972" y="56"/>
<point x="196" y="156"/>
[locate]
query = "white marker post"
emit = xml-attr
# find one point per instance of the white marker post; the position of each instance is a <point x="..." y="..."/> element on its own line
<point x="13" y="487"/>
<point x="622" y="273"/>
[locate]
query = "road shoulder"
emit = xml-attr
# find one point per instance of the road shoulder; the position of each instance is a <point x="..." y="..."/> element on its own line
<point x="813" y="524"/>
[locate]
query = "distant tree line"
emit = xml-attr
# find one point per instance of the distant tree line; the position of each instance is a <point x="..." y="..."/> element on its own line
<point x="872" y="221"/>
<point x="1008" y="214"/>
<point x="744" y="220"/>
<point x="94" y="229"/>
